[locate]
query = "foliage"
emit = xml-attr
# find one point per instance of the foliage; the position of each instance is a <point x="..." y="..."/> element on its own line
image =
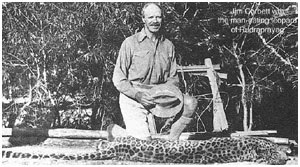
<point x="60" y="56"/>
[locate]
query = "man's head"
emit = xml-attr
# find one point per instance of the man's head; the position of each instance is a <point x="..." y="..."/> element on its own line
<point x="152" y="17"/>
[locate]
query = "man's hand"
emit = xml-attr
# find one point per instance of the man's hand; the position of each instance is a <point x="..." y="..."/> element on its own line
<point x="145" y="99"/>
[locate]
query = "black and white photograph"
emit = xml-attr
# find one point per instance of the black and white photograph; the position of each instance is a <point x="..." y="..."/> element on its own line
<point x="149" y="83"/>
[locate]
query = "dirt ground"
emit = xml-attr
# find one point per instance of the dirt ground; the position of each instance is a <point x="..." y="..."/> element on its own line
<point x="66" y="150"/>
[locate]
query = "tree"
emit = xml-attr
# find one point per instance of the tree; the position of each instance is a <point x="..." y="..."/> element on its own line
<point x="59" y="58"/>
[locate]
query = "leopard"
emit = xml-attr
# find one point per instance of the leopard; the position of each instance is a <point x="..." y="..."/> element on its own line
<point x="213" y="150"/>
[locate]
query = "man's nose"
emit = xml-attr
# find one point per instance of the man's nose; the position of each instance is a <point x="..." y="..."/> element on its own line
<point x="155" y="19"/>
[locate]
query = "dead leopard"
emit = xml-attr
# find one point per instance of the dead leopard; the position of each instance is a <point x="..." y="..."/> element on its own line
<point x="215" y="150"/>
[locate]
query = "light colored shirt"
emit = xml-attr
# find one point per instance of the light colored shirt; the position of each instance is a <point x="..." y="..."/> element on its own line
<point x="142" y="61"/>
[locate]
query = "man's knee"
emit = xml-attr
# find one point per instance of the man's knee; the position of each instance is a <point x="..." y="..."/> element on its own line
<point x="190" y="105"/>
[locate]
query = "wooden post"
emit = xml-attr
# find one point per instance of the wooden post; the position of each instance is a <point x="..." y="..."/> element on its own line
<point x="55" y="133"/>
<point x="219" y="120"/>
<point x="71" y="137"/>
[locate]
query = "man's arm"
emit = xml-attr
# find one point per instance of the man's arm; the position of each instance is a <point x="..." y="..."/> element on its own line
<point x="120" y="75"/>
<point x="173" y="78"/>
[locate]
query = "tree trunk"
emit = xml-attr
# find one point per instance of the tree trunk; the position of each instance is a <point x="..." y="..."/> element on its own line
<point x="243" y="98"/>
<point x="250" y="116"/>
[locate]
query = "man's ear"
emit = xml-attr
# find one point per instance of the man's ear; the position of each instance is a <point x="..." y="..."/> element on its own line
<point x="143" y="19"/>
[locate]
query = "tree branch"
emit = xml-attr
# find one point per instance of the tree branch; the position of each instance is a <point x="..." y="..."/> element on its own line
<point x="273" y="50"/>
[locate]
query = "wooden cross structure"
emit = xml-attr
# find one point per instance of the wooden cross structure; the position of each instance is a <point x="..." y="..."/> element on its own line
<point x="209" y="70"/>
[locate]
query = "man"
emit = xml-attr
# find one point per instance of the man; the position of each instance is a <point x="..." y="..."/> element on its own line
<point x="147" y="59"/>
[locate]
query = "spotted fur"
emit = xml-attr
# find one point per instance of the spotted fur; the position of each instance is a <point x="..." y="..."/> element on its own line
<point x="215" y="150"/>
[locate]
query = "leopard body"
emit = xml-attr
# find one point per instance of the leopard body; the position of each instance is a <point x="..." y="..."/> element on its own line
<point x="214" y="150"/>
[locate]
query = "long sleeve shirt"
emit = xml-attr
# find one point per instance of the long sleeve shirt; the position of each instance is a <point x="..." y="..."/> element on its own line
<point x="140" y="60"/>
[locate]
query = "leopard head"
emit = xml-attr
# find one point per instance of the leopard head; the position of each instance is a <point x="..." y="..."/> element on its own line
<point x="278" y="157"/>
<point x="271" y="152"/>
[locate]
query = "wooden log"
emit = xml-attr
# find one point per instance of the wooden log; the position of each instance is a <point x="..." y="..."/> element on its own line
<point x="278" y="140"/>
<point x="54" y="133"/>
<point x="69" y="137"/>
<point x="266" y="131"/>
<point x="253" y="133"/>
<point x="183" y="136"/>
<point x="257" y="131"/>
<point x="51" y="142"/>
<point x="221" y="75"/>
<point x="198" y="68"/>
<point x="249" y="134"/>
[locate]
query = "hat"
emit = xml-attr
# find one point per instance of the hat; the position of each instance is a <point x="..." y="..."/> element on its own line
<point x="168" y="99"/>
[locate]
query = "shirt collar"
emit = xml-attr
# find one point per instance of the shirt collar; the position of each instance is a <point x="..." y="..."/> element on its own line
<point x="142" y="35"/>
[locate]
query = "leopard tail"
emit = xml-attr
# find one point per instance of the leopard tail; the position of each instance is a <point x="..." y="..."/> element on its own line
<point x="85" y="156"/>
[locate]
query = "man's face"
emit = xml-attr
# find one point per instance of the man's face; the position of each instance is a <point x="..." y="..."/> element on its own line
<point x="152" y="18"/>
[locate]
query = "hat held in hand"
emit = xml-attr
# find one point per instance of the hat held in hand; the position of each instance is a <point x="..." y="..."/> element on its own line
<point x="168" y="100"/>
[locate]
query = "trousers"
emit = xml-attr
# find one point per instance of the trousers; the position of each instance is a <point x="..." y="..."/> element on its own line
<point x="135" y="117"/>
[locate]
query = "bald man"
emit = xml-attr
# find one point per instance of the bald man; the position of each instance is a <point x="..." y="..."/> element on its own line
<point x="147" y="59"/>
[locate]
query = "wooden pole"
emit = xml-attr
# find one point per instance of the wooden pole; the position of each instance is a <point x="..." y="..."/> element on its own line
<point x="219" y="120"/>
<point x="198" y="68"/>
<point x="57" y="142"/>
<point x="17" y="136"/>
<point x="253" y="133"/>
<point x="54" y="133"/>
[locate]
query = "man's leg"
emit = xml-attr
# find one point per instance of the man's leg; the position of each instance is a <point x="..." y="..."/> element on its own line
<point x="135" y="118"/>
<point x="189" y="107"/>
